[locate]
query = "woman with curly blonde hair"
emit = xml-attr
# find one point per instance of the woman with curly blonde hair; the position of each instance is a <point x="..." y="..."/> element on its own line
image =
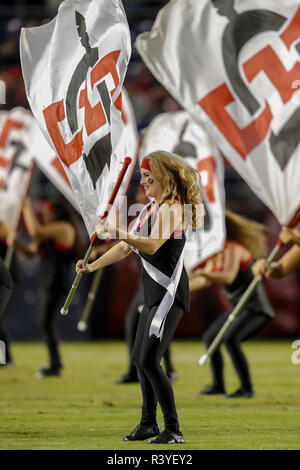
<point x="158" y="237"/>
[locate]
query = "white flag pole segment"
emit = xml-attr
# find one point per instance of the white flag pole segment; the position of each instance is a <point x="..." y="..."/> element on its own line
<point x="73" y="69"/>
<point x="177" y="132"/>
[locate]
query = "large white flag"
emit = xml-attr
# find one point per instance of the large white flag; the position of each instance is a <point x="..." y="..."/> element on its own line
<point x="177" y="132"/>
<point x="15" y="162"/>
<point x="74" y="68"/>
<point x="49" y="163"/>
<point x="235" y="66"/>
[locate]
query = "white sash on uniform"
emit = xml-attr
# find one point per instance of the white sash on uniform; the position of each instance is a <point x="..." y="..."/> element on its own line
<point x="169" y="283"/>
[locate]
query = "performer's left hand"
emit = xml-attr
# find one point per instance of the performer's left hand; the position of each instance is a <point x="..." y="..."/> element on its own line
<point x="286" y="235"/>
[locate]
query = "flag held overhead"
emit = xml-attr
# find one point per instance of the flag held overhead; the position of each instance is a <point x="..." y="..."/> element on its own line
<point x="73" y="69"/>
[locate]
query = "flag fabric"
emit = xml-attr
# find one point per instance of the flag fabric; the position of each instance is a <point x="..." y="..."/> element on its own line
<point x="131" y="139"/>
<point x="234" y="66"/>
<point x="73" y="69"/>
<point x="15" y="162"/>
<point x="176" y="132"/>
<point x="49" y="163"/>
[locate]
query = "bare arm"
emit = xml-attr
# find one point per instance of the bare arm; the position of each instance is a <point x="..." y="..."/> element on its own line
<point x="199" y="282"/>
<point x="288" y="234"/>
<point x="232" y="260"/>
<point x="115" y="254"/>
<point x="28" y="250"/>
<point x="60" y="231"/>
<point x="278" y="269"/>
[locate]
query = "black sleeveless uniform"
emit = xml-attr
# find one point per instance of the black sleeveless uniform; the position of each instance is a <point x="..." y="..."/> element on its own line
<point x="148" y="350"/>
<point x="255" y="315"/>
<point x="165" y="259"/>
<point x="54" y="277"/>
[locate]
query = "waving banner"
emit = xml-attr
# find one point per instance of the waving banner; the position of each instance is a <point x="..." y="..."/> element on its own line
<point x="177" y="132"/>
<point x="73" y="69"/>
<point x="15" y="162"/>
<point x="50" y="165"/>
<point x="235" y="67"/>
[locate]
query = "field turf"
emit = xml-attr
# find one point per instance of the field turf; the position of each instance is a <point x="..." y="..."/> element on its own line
<point x="85" y="410"/>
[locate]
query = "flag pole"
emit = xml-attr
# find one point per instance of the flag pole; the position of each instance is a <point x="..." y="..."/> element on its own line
<point x="65" y="308"/>
<point x="243" y="301"/>
<point x="11" y="248"/>
<point x="82" y="324"/>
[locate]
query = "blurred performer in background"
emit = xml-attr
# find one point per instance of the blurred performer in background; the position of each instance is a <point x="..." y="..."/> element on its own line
<point x="55" y="241"/>
<point x="6" y="290"/>
<point x="286" y="264"/>
<point x="159" y="239"/>
<point x="131" y="323"/>
<point x="232" y="268"/>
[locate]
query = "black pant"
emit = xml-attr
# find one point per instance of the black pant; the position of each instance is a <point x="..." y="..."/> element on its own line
<point x="131" y="324"/>
<point x="49" y="303"/>
<point x="146" y="355"/>
<point x="247" y="324"/>
<point x="6" y="289"/>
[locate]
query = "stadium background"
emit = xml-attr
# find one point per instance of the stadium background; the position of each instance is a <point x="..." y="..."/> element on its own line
<point x="120" y="282"/>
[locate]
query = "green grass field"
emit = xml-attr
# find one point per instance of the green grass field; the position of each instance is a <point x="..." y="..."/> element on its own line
<point x="85" y="410"/>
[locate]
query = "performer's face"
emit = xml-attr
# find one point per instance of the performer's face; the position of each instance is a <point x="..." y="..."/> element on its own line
<point x="152" y="186"/>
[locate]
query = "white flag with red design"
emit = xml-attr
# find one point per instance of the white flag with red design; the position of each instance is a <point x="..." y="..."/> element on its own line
<point x="73" y="69"/>
<point x="235" y="66"/>
<point x="15" y="162"/>
<point x="176" y="132"/>
<point x="49" y="163"/>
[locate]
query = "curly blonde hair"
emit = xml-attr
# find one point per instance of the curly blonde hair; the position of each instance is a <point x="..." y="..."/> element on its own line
<point x="179" y="180"/>
<point x="248" y="232"/>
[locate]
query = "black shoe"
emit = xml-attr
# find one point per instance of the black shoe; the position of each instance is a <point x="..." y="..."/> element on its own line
<point x="212" y="390"/>
<point x="49" y="371"/>
<point x="241" y="393"/>
<point x="142" y="432"/>
<point x="168" y="437"/>
<point x="127" y="379"/>
<point x="8" y="364"/>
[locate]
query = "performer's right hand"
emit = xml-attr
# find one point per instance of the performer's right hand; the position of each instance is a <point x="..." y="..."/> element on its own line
<point x="259" y="268"/>
<point x="82" y="268"/>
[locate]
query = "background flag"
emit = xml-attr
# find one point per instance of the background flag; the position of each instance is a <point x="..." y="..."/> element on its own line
<point x="15" y="162"/>
<point x="177" y="132"/>
<point x="238" y="80"/>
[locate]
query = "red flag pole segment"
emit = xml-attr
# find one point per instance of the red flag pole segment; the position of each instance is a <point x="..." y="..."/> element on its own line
<point x="243" y="301"/>
<point x="127" y="161"/>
